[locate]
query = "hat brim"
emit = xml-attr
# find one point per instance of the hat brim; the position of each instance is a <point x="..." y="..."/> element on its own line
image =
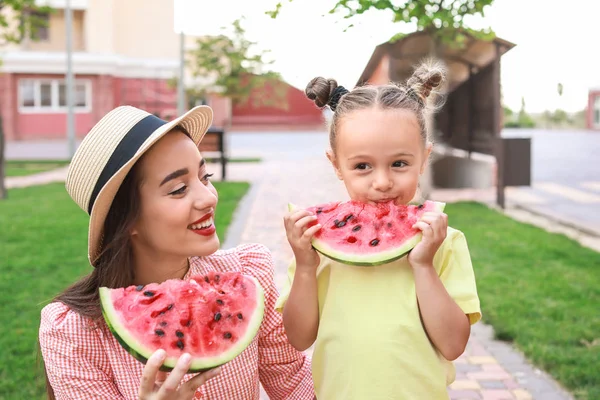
<point x="196" y="122"/>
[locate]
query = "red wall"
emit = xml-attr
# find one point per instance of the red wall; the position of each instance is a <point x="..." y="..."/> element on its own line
<point x="300" y="110"/>
<point x="108" y="92"/>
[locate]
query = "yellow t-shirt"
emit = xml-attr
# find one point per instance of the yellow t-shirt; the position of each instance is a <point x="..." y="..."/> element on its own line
<point x="371" y="344"/>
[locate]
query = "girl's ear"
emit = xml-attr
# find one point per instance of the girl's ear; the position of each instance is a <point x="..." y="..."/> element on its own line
<point x="334" y="163"/>
<point x="427" y="153"/>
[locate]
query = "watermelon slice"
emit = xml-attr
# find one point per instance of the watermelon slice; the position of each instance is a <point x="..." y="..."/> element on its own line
<point x="212" y="317"/>
<point x="362" y="234"/>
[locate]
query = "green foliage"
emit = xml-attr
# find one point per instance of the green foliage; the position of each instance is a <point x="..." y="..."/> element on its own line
<point x="520" y="120"/>
<point x="444" y="17"/>
<point x="25" y="20"/>
<point x="230" y="67"/>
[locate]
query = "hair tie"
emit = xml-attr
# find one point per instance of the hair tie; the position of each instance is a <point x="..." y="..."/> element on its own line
<point x="335" y="97"/>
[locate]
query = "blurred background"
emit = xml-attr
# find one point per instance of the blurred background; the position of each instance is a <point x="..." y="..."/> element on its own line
<point x="517" y="139"/>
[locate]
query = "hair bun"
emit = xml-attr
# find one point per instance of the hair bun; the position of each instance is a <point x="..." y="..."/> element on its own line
<point x="426" y="78"/>
<point x="325" y="92"/>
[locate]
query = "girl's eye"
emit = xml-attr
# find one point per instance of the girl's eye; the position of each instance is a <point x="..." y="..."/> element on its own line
<point x="181" y="190"/>
<point x="207" y="177"/>
<point x="399" y="164"/>
<point x="361" y="166"/>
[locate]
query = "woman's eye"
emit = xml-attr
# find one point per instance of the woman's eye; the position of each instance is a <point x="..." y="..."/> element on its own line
<point x="181" y="190"/>
<point x="361" y="166"/>
<point x="399" y="164"/>
<point x="207" y="177"/>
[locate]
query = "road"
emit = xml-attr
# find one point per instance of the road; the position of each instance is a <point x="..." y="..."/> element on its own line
<point x="565" y="175"/>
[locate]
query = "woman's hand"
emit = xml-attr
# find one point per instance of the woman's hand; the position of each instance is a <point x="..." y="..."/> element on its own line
<point x="300" y="227"/>
<point x="154" y="386"/>
<point x="434" y="226"/>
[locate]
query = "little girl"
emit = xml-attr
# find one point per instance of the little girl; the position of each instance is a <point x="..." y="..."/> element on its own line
<point x="390" y="331"/>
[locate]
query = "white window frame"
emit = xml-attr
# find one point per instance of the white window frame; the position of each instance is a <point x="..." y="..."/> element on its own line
<point x="55" y="108"/>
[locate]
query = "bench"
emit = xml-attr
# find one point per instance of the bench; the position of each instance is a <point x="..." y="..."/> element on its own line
<point x="212" y="147"/>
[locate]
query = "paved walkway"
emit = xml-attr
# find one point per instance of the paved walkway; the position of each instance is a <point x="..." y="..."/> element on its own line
<point x="488" y="370"/>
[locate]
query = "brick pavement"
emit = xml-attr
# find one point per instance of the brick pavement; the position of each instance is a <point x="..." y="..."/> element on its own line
<point x="488" y="370"/>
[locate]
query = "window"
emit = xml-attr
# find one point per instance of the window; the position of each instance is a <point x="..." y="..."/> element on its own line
<point x="50" y="95"/>
<point x="41" y="21"/>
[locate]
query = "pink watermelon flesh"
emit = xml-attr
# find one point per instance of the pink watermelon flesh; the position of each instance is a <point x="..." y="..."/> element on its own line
<point x="364" y="234"/>
<point x="212" y="317"/>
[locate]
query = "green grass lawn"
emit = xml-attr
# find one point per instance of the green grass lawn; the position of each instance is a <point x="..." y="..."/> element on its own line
<point x="26" y="167"/>
<point x="43" y="246"/>
<point x="539" y="290"/>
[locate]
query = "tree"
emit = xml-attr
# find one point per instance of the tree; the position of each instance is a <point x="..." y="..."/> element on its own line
<point x="228" y="65"/>
<point x="444" y="17"/>
<point x="18" y="19"/>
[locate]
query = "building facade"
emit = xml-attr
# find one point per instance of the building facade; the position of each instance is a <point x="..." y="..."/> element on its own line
<point x="118" y="58"/>
<point x="593" y="110"/>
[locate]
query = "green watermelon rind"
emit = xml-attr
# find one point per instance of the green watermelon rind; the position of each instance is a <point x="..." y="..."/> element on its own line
<point x="369" y="260"/>
<point x="142" y="354"/>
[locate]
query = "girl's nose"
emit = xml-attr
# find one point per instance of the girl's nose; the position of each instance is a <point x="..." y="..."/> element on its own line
<point x="383" y="181"/>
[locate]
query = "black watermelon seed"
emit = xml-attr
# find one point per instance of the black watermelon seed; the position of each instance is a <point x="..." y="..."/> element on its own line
<point x="220" y="302"/>
<point x="240" y="316"/>
<point x="164" y="323"/>
<point x="188" y="323"/>
<point x="349" y="217"/>
<point x="217" y="278"/>
<point x="340" y="224"/>
<point x="227" y="335"/>
<point x="148" y="293"/>
<point x="374" y="242"/>
<point x="217" y="316"/>
<point x="336" y="221"/>
<point x="206" y="279"/>
<point x="356" y="228"/>
<point x="170" y="306"/>
<point x="420" y="206"/>
<point x="139" y="288"/>
<point x="319" y="210"/>
<point x="160" y="332"/>
<point x="180" y="344"/>
<point x="179" y="334"/>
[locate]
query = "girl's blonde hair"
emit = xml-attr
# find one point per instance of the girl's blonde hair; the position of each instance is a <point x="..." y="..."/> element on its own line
<point x="414" y="95"/>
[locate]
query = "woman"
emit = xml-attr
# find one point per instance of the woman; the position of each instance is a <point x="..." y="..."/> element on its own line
<point x="145" y="185"/>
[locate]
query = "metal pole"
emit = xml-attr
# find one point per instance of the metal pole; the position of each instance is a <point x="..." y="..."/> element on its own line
<point x="70" y="110"/>
<point x="180" y="91"/>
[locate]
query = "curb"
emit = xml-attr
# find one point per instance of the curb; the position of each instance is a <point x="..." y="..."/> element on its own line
<point x="240" y="216"/>
<point x="559" y="220"/>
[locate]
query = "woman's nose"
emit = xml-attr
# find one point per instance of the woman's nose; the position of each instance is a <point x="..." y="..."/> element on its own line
<point x="204" y="197"/>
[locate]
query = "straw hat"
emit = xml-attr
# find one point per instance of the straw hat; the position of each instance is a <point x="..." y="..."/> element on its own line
<point x="108" y="152"/>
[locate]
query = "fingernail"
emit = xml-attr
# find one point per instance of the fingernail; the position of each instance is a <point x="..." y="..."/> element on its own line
<point x="159" y="355"/>
<point x="186" y="358"/>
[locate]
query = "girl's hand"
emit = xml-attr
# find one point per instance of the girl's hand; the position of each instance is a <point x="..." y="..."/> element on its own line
<point x="156" y="385"/>
<point x="434" y="226"/>
<point x="300" y="227"/>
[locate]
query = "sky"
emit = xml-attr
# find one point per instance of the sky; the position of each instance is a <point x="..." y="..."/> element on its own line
<point x="553" y="43"/>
